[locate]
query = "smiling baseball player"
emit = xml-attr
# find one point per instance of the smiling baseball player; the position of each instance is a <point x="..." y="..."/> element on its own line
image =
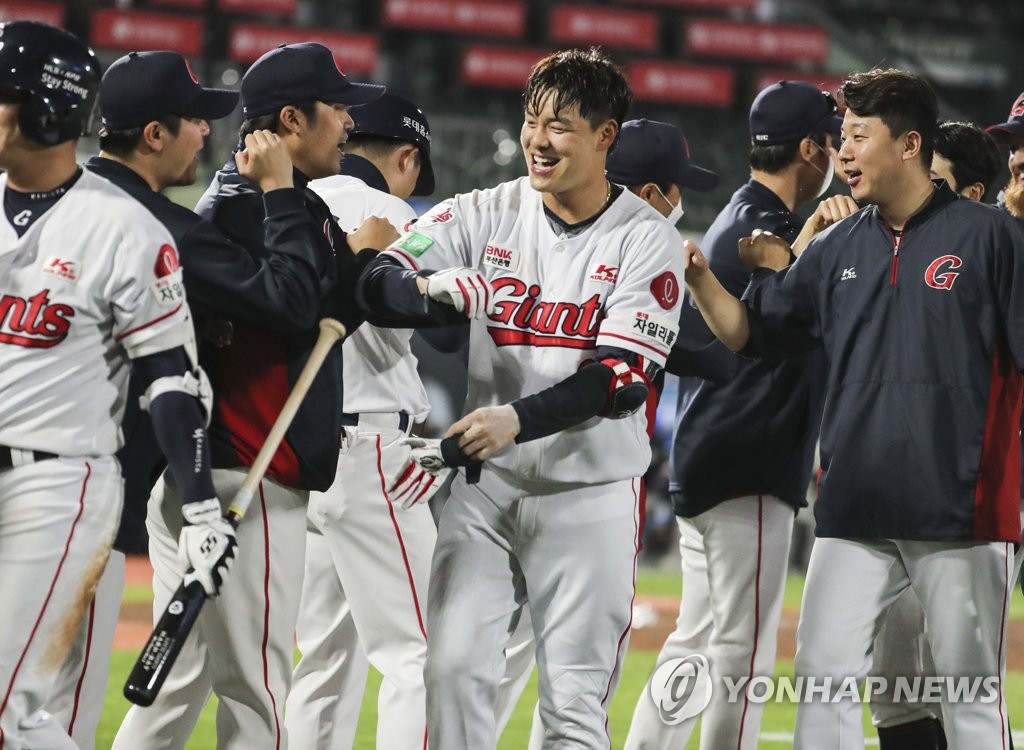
<point x="572" y="288"/>
<point x="88" y="281"/>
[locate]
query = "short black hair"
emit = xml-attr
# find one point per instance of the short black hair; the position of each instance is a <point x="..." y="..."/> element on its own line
<point x="773" y="159"/>
<point x="903" y="101"/>
<point x="121" y="143"/>
<point x="587" y="79"/>
<point x="973" y="154"/>
<point x="270" y="120"/>
<point x="376" y="145"/>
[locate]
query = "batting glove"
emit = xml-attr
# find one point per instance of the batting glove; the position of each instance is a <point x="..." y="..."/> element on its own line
<point x="423" y="474"/>
<point x="465" y="289"/>
<point x="207" y="545"/>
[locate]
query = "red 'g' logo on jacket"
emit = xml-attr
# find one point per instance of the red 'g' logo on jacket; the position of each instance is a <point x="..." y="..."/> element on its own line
<point x="939" y="273"/>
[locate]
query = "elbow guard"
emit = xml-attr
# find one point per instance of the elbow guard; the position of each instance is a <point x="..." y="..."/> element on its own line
<point x="195" y="383"/>
<point x="627" y="389"/>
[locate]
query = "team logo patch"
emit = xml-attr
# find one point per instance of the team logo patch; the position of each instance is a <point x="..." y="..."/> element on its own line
<point x="665" y="289"/>
<point x="939" y="274"/>
<point x="67" y="270"/>
<point x="414" y="243"/>
<point x="166" y="261"/>
<point x="501" y="257"/>
<point x="659" y="329"/>
<point x="442" y="213"/>
<point x="605" y="274"/>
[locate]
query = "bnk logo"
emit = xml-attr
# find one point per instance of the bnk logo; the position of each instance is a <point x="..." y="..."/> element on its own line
<point x="681" y="688"/>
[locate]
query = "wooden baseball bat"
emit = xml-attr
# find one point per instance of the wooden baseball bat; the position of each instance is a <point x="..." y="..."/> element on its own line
<point x="171" y="630"/>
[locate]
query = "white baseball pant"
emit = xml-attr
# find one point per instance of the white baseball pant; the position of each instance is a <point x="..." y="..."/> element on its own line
<point x="575" y="552"/>
<point x="734" y="562"/>
<point x="77" y="701"/>
<point x="964" y="589"/>
<point x="241" y="646"/>
<point x="57" y="523"/>
<point x="380" y="556"/>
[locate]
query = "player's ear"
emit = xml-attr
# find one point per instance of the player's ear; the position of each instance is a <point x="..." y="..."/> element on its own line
<point x="292" y="120"/>
<point x="154" y="135"/>
<point x="407" y="157"/>
<point x="606" y="133"/>
<point x="975" y="191"/>
<point x="646" y="192"/>
<point x="911" y="144"/>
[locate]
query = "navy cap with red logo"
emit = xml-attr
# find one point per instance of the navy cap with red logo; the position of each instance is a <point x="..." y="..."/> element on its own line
<point x="299" y="73"/>
<point x="145" y="86"/>
<point x="658" y="152"/>
<point x="399" y="119"/>
<point x="1014" y="125"/>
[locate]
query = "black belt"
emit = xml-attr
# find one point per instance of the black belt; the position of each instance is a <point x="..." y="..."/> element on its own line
<point x="7" y="457"/>
<point x="394" y="420"/>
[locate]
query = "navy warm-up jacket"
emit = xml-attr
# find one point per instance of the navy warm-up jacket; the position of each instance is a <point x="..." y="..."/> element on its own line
<point x="754" y="432"/>
<point x="924" y="335"/>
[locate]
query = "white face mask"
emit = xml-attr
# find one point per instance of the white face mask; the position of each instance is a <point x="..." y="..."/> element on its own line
<point x="676" y="213"/>
<point x="827" y="175"/>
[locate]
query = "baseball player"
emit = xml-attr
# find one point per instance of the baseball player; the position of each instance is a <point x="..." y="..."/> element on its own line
<point x="1011" y="135"/>
<point x="90" y="282"/>
<point x="365" y="588"/>
<point x="742" y="450"/>
<point x="175" y="112"/>
<point x="652" y="160"/>
<point x="570" y="284"/>
<point x="912" y="300"/>
<point x="288" y="265"/>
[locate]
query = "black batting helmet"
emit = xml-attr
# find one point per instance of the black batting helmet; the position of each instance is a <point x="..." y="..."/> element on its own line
<point x="53" y="74"/>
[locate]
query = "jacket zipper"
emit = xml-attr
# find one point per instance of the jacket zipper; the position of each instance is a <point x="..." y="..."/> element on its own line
<point x="896" y="240"/>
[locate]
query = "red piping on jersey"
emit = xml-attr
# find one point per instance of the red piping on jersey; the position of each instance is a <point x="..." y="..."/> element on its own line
<point x="511" y="337"/>
<point x="1007" y="585"/>
<point x="757" y="615"/>
<point x="147" y="325"/>
<point x="85" y="667"/>
<point x="896" y="240"/>
<point x="405" y="555"/>
<point x="659" y="352"/>
<point x="266" y="615"/>
<point x="997" y="491"/>
<point x="49" y="594"/>
<point x="636" y="553"/>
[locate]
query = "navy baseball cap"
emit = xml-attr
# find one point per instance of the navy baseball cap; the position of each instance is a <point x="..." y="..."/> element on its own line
<point x="391" y="116"/>
<point x="297" y="73"/>
<point x="1014" y="125"/>
<point x="652" y="151"/>
<point x="145" y="86"/>
<point x="789" y="111"/>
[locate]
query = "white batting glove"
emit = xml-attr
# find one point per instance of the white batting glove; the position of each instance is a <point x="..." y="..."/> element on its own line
<point x="207" y="545"/>
<point x="422" y="475"/>
<point x="465" y="289"/>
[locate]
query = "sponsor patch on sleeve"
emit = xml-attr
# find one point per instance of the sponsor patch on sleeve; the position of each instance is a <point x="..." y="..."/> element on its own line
<point x="665" y="288"/>
<point x="169" y="290"/>
<point x="166" y="261"/>
<point x="442" y="213"/>
<point x="662" y="330"/>
<point x="414" y="243"/>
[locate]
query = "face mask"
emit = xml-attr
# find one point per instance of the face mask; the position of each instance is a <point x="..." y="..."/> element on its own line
<point x="828" y="174"/>
<point x="677" y="210"/>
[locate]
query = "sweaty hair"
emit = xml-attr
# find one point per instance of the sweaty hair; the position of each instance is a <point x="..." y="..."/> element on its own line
<point x="773" y="159"/>
<point x="902" y="101"/>
<point x="973" y="154"/>
<point x="121" y="143"/>
<point x="270" y="121"/>
<point x="587" y="79"/>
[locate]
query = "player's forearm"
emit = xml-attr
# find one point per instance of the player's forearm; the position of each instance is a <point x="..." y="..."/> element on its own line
<point x="725" y="315"/>
<point x="392" y="296"/>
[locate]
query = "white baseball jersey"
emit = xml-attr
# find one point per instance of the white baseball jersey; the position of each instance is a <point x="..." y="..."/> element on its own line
<point x="617" y="283"/>
<point x="78" y="297"/>
<point x="379" y="368"/>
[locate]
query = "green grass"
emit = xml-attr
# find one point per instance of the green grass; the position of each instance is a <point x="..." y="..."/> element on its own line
<point x="778" y="717"/>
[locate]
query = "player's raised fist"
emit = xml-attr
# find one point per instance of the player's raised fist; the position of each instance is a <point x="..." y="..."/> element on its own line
<point x="694" y="262"/>
<point x="763" y="249"/>
<point x="375" y="232"/>
<point x="465" y="289"/>
<point x="265" y="161"/>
